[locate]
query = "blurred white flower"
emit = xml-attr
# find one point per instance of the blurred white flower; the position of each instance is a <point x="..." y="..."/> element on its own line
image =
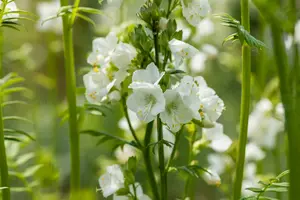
<point x="198" y="62"/>
<point x="46" y="10"/>
<point x="147" y="101"/>
<point x="195" y="11"/>
<point x="123" y="55"/>
<point x="139" y="193"/>
<point x="176" y="112"/>
<point x="115" y="3"/>
<point x="254" y="153"/>
<point x="112" y="180"/>
<point x="297" y="32"/>
<point x="212" y="178"/>
<point x="218" y="141"/>
<point x="124" y="153"/>
<point x="186" y="31"/>
<point x="135" y="122"/>
<point x="250" y="178"/>
<point x="97" y="85"/>
<point x="280" y="111"/>
<point x="114" y="96"/>
<point x="263" y="127"/>
<point x="10" y="7"/>
<point x="210" y="50"/>
<point x="288" y="41"/>
<point x="205" y="28"/>
<point x="219" y="162"/>
<point x="181" y="50"/>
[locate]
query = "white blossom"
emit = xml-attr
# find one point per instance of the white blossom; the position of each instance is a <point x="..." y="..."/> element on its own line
<point x="123" y="55"/>
<point x="112" y="180"/>
<point x="46" y="10"/>
<point x="135" y="122"/>
<point x="195" y="11"/>
<point x="198" y="62"/>
<point x="163" y="23"/>
<point x="219" y="162"/>
<point x="254" y="152"/>
<point x="149" y="75"/>
<point x="11" y="6"/>
<point x="218" y="141"/>
<point x="97" y="85"/>
<point x="176" y="113"/>
<point x="124" y="153"/>
<point x="147" y="101"/>
<point x="212" y="178"/>
<point x="181" y="50"/>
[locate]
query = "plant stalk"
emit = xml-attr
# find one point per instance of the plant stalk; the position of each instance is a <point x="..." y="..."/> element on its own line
<point x="147" y="159"/>
<point x="71" y="97"/>
<point x="245" y="104"/>
<point x="161" y="158"/>
<point x="3" y="158"/>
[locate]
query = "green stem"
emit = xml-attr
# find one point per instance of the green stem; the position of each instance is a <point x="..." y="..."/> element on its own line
<point x="170" y="161"/>
<point x="71" y="97"/>
<point x="147" y="159"/>
<point x="3" y="159"/>
<point x="245" y="104"/>
<point x="161" y="158"/>
<point x="291" y="121"/>
<point x="129" y="122"/>
<point x="189" y="189"/>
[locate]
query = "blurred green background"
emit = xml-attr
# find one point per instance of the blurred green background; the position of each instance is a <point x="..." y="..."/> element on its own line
<point x="38" y="57"/>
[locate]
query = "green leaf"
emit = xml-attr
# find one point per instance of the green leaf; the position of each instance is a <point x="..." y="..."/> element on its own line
<point x="17" y="118"/>
<point x="283" y="184"/>
<point x="3" y="188"/>
<point x="12" y="138"/>
<point x="14" y="90"/>
<point x="256" y="190"/>
<point x="266" y="198"/>
<point x="193" y="170"/>
<point x="87" y="19"/>
<point x="7" y="103"/>
<point x="286" y="172"/>
<point x="132" y="164"/>
<point x="129" y="177"/>
<point x="10" y="26"/>
<point x="122" y="192"/>
<point x="19" y="189"/>
<point x="15" y="131"/>
<point x="277" y="189"/>
<point x="24" y="158"/>
<point x="90" y="10"/>
<point x="31" y="170"/>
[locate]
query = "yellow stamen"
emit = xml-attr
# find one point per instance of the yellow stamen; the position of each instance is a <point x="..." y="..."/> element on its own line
<point x="95" y="68"/>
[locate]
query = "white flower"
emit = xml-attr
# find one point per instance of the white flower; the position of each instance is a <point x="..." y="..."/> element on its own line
<point x="195" y="11"/>
<point x="181" y="50"/>
<point x="148" y="75"/>
<point x="250" y="178"/>
<point x="46" y="10"/>
<point x="218" y="140"/>
<point x="112" y="180"/>
<point x="147" y="101"/>
<point x="11" y="6"/>
<point x="139" y="193"/>
<point x="263" y="127"/>
<point x="186" y="31"/>
<point x="123" y="55"/>
<point x="212" y="178"/>
<point x="205" y="28"/>
<point x="198" y="62"/>
<point x="103" y="48"/>
<point x="97" y="85"/>
<point x="254" y="153"/>
<point x="123" y="154"/>
<point x="280" y="111"/>
<point x="297" y="32"/>
<point x="176" y="112"/>
<point x="115" y="3"/>
<point x="219" y="162"/>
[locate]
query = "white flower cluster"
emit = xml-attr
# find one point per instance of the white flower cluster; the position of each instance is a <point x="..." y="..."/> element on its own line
<point x="113" y="180"/>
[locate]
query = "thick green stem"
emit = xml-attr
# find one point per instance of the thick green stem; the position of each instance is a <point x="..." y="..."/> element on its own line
<point x="147" y="159"/>
<point x="291" y="121"/>
<point x="245" y="104"/>
<point x="161" y="158"/>
<point x="3" y="159"/>
<point x="71" y="96"/>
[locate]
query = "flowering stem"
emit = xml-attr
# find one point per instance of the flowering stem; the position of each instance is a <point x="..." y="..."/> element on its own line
<point x="245" y="104"/>
<point x="189" y="189"/>
<point x="147" y="159"/>
<point x="129" y="122"/>
<point x="3" y="158"/>
<point x="161" y="158"/>
<point x="71" y="96"/>
<point x="291" y="121"/>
